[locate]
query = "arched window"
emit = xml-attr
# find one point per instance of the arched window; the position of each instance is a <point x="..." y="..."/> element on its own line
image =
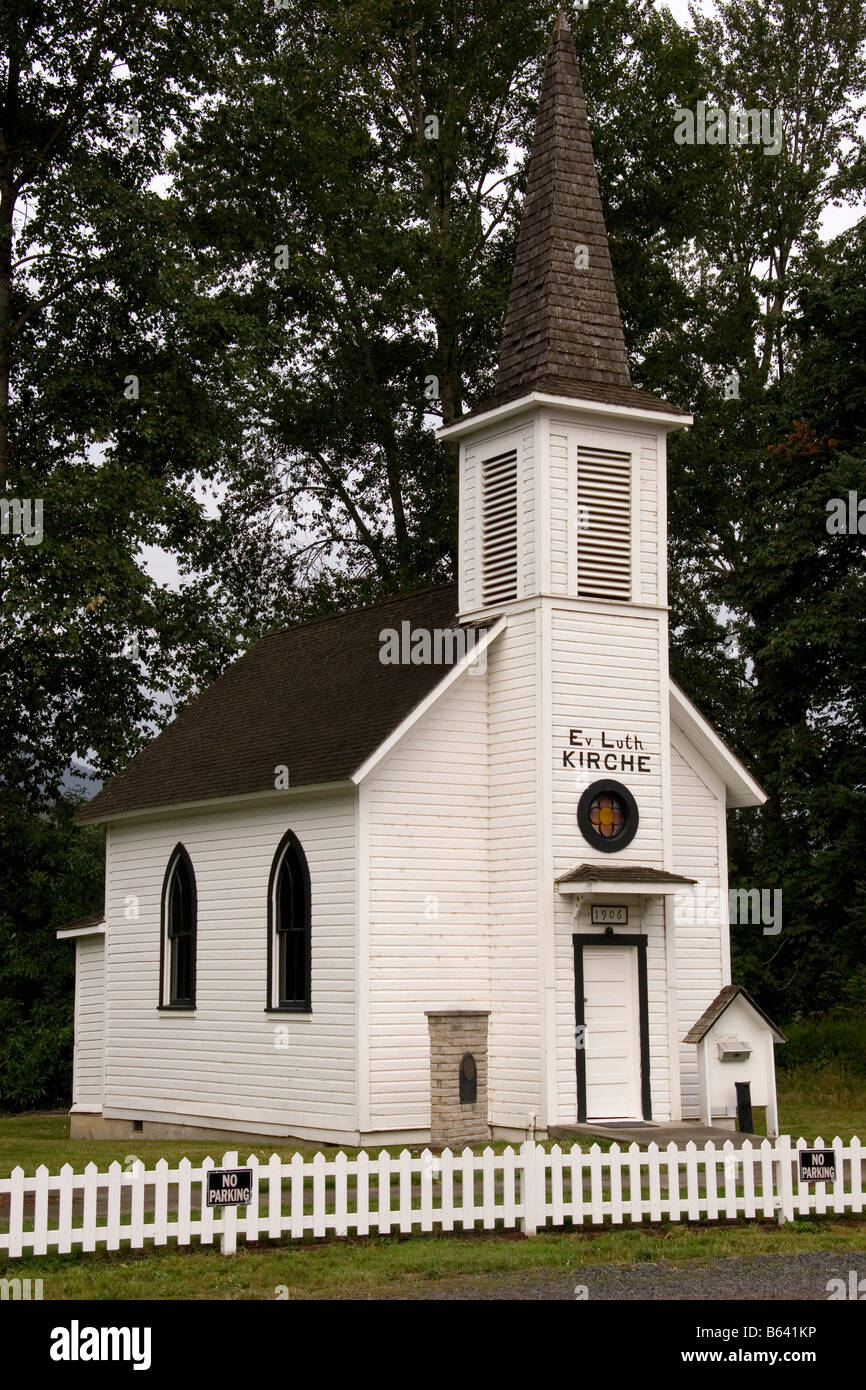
<point x="177" y="956"/>
<point x="289" y="928"/>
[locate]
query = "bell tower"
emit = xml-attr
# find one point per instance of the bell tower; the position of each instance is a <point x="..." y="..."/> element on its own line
<point x="562" y="469"/>
<point x="563" y="533"/>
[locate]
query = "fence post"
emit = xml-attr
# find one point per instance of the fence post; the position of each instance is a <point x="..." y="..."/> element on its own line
<point x="529" y="1187"/>
<point x="785" y="1210"/>
<point x="229" y="1232"/>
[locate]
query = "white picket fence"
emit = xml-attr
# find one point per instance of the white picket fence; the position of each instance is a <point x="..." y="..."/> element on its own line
<point x="524" y="1189"/>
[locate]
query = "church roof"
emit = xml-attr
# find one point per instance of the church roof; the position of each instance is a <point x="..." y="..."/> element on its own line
<point x="315" y="698"/>
<point x="563" y="332"/>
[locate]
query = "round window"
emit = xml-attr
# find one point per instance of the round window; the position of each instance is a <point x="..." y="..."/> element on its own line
<point x="607" y="816"/>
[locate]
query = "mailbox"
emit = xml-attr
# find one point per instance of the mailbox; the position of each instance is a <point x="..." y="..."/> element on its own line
<point x="733" y="1049"/>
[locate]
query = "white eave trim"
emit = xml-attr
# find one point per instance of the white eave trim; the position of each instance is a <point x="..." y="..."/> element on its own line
<point x="568" y="403"/>
<point x="70" y="933"/>
<point x="649" y="888"/>
<point x="215" y="803"/>
<point x="421" y="709"/>
<point x="742" y="789"/>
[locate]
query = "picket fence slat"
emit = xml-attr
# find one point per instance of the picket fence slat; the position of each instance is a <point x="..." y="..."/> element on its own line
<point x="856" y="1161"/>
<point x="64" y="1213"/>
<point x="524" y="1188"/>
<point x="40" y="1210"/>
<point x="206" y="1233"/>
<point x="655" y="1182"/>
<point x="184" y="1201"/>
<point x="674" y="1203"/>
<point x="748" y="1157"/>
<point x="614" y="1171"/>
<point x="447" y="1190"/>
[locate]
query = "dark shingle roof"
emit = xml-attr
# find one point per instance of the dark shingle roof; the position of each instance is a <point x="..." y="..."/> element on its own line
<point x="563" y="332"/>
<point x="93" y="919"/>
<point x="315" y="697"/>
<point x="625" y="873"/>
<point x="725" y="997"/>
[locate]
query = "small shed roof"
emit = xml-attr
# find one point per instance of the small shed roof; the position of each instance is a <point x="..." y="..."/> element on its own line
<point x="621" y="878"/>
<point x="711" y="1015"/>
<point x="91" y="925"/>
<point x="603" y="873"/>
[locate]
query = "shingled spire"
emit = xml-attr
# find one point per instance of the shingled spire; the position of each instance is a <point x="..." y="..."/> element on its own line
<point x="563" y="331"/>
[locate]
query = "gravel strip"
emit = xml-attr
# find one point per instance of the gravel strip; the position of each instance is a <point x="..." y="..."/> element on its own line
<point x="753" y="1278"/>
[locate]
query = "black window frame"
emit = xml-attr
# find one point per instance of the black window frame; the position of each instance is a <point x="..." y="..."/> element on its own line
<point x="277" y="935"/>
<point x="587" y="829"/>
<point x="168" y="998"/>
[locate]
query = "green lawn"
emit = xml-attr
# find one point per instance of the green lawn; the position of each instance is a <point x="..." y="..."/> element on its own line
<point x="392" y="1266"/>
<point x="830" y="1102"/>
<point x="28" y="1140"/>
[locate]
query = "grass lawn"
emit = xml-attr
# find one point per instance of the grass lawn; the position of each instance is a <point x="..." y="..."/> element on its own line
<point x="28" y="1140"/>
<point x="392" y="1266"/>
<point x="830" y="1102"/>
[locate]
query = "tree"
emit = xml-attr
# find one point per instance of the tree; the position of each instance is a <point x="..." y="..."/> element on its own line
<point x="806" y="713"/>
<point x="360" y="220"/>
<point x="53" y="874"/>
<point x="102" y="425"/>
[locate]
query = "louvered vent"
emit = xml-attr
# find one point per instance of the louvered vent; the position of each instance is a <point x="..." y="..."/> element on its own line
<point x="499" y="528"/>
<point x="604" y="524"/>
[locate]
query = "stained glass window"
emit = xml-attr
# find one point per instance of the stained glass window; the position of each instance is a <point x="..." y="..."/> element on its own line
<point x="607" y="815"/>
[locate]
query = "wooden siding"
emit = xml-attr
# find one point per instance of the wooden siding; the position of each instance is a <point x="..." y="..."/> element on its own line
<point x="87" y="1064"/>
<point x="562" y="527"/>
<point x="528" y="502"/>
<point x="608" y="669"/>
<point x="516" y="1023"/>
<point x="429" y="902"/>
<point x="699" y="943"/>
<point x="223" y="1062"/>
<point x="652" y="543"/>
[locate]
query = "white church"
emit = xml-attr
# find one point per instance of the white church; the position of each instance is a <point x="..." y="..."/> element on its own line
<point x="416" y="872"/>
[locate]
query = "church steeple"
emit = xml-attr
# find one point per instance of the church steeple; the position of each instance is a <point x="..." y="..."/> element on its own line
<point x="562" y="472"/>
<point x="563" y="332"/>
